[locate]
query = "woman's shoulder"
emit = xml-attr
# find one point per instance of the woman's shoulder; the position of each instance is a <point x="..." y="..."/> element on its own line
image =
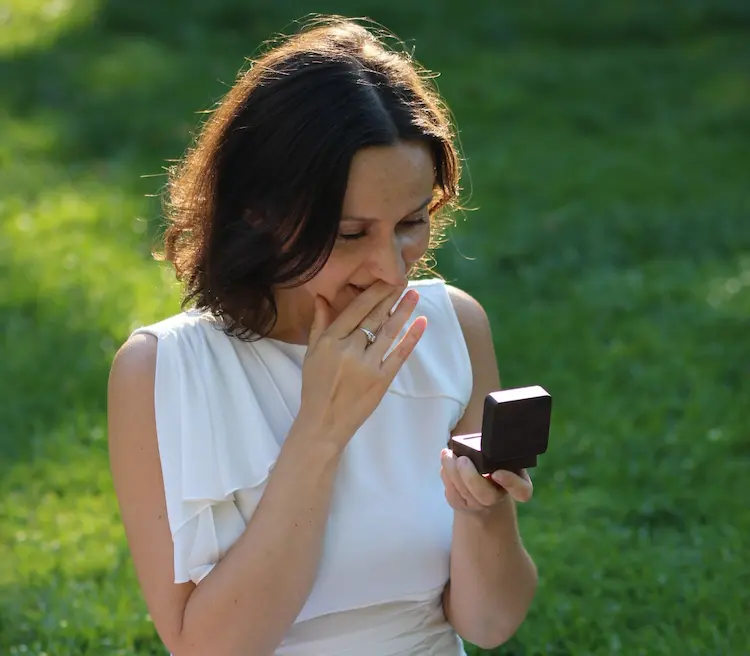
<point x="462" y="306"/>
<point x="182" y="323"/>
<point x="474" y="325"/>
<point x="470" y="313"/>
<point x="136" y="359"/>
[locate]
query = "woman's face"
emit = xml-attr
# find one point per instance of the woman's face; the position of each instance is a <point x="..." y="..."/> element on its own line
<point x="384" y="230"/>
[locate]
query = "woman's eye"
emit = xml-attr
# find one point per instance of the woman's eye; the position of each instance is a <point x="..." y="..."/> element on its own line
<point x="414" y="222"/>
<point x="353" y="236"/>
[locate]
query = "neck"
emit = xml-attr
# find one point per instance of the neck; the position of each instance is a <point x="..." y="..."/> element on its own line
<point x="295" y="314"/>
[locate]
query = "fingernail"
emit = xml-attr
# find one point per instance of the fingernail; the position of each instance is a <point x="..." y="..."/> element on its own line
<point x="463" y="462"/>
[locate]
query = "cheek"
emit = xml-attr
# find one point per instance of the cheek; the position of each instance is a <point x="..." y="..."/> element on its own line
<point x="414" y="245"/>
<point x="332" y="276"/>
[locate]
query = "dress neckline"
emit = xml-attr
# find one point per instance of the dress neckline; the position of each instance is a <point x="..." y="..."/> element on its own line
<point x="281" y="343"/>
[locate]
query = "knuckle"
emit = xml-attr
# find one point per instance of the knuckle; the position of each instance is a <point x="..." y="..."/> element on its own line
<point x="391" y="329"/>
<point x="326" y="341"/>
<point x="364" y="369"/>
<point x="347" y="355"/>
<point x="403" y="350"/>
<point x="363" y="366"/>
<point x="373" y="370"/>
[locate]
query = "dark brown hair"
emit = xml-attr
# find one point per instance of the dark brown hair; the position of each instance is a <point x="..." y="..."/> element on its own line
<point x="256" y="202"/>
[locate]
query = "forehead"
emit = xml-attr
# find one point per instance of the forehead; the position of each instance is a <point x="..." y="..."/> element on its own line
<point x="387" y="182"/>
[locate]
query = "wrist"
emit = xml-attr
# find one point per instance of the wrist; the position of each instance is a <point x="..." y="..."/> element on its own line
<point x="498" y="517"/>
<point x="312" y="439"/>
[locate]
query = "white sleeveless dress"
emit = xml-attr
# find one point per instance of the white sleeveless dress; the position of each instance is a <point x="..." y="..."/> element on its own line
<point x="223" y="409"/>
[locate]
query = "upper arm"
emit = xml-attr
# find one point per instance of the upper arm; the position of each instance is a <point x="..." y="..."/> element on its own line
<point x="138" y="483"/>
<point x="475" y="326"/>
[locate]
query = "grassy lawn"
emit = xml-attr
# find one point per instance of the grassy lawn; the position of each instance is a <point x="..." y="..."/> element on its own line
<point x="608" y="154"/>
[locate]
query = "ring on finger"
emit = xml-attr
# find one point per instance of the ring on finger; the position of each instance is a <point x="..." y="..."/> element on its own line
<point x="371" y="336"/>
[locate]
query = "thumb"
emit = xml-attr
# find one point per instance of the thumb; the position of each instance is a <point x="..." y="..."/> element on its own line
<point x="320" y="320"/>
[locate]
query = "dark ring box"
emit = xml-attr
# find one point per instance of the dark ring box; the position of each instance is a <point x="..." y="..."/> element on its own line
<point x="515" y="430"/>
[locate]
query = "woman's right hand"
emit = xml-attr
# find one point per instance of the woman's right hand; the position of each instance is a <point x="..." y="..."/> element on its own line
<point x="344" y="378"/>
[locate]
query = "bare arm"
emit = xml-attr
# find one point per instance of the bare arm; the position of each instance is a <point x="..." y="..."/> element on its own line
<point x="246" y="604"/>
<point x="492" y="577"/>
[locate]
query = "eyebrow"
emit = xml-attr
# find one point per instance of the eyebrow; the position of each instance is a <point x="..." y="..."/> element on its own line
<point x="363" y="218"/>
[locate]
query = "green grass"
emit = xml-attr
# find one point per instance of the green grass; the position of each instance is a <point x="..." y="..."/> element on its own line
<point x="608" y="151"/>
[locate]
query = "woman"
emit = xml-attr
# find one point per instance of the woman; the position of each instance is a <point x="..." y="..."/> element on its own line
<point x="279" y="451"/>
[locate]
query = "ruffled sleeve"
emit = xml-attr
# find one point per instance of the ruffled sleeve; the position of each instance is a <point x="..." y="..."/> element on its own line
<point x="213" y="438"/>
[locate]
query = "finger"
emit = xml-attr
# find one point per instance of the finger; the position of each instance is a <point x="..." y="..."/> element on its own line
<point x="454" y="494"/>
<point x="505" y="477"/>
<point x="379" y="315"/>
<point x="454" y="466"/>
<point x="321" y="314"/>
<point x="484" y="492"/>
<point x="382" y="311"/>
<point x="393" y="324"/>
<point x="519" y="487"/>
<point x="404" y="348"/>
<point x="354" y="313"/>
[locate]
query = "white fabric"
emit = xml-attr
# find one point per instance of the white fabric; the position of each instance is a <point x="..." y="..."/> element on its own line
<point x="223" y="409"/>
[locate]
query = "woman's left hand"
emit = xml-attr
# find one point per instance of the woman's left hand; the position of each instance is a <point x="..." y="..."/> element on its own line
<point x="470" y="492"/>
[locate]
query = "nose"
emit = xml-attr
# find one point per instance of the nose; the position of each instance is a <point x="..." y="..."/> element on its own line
<point x="388" y="263"/>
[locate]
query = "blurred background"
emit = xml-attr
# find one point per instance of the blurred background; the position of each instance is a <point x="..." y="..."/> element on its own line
<point x="607" y="148"/>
